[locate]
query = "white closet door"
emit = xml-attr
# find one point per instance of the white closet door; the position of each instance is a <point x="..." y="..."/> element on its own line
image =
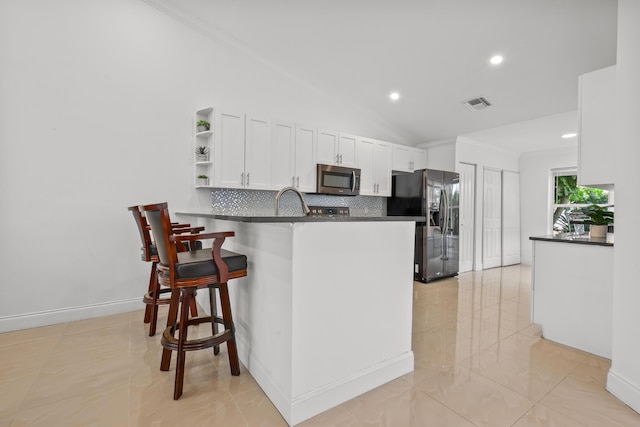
<point x="467" y="216"/>
<point x="492" y="219"/>
<point x="510" y="218"/>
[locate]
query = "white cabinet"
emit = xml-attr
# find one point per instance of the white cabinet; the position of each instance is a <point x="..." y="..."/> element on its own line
<point x="293" y="157"/>
<point x="336" y="148"/>
<point x="408" y="159"/>
<point x="374" y="160"/>
<point x="305" y="159"/>
<point x="382" y="162"/>
<point x="418" y="158"/>
<point x="229" y="149"/>
<point x="242" y="151"/>
<point x="283" y="149"/>
<point x="596" y="120"/>
<point x="257" y="155"/>
<point x="203" y="170"/>
<point x="327" y="147"/>
<point x="347" y="149"/>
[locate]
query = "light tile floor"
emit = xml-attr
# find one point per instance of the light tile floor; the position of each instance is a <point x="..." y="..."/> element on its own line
<point x="478" y="362"/>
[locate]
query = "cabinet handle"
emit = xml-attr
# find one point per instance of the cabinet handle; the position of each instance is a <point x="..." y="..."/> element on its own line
<point x="337" y="159"/>
<point x="298" y="182"/>
<point x="247" y="179"/>
<point x="340" y="158"/>
<point x="293" y="181"/>
<point x="242" y="179"/>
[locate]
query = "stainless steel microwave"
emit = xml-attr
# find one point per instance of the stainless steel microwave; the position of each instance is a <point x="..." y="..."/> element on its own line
<point x="338" y="180"/>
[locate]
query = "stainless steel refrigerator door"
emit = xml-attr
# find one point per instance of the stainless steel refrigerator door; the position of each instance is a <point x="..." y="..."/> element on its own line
<point x="451" y="234"/>
<point x="435" y="204"/>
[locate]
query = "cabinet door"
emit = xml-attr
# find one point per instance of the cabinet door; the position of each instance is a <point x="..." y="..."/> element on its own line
<point x="365" y="161"/>
<point x="417" y="158"/>
<point x="596" y="117"/>
<point x="305" y="159"/>
<point x="400" y="158"/>
<point x="382" y="162"/>
<point x="347" y="150"/>
<point x="257" y="153"/>
<point x="327" y="147"/>
<point x="283" y="155"/>
<point x="229" y="149"/>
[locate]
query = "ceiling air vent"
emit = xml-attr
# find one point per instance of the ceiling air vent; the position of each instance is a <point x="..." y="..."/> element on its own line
<point x="475" y="104"/>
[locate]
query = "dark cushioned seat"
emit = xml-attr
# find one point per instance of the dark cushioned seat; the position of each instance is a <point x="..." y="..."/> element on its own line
<point x="200" y="263"/>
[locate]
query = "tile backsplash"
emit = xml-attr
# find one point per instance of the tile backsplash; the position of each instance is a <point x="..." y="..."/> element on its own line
<point x="226" y="201"/>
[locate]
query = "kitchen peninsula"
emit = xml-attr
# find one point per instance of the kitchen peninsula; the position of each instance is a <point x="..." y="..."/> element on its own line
<point x="572" y="290"/>
<point x="325" y="312"/>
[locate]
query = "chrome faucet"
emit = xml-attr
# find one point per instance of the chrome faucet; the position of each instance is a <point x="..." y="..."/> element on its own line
<point x="306" y="209"/>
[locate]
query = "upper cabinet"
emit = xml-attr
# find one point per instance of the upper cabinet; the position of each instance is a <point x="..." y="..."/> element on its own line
<point x="257" y="153"/>
<point x="336" y="148"/>
<point x="242" y="151"/>
<point x="293" y="157"/>
<point x="239" y="150"/>
<point x="596" y="121"/>
<point x="374" y="160"/>
<point x="408" y="159"/>
<point x="305" y="158"/>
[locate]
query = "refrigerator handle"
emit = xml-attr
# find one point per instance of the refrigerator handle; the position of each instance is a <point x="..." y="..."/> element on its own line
<point x="443" y="211"/>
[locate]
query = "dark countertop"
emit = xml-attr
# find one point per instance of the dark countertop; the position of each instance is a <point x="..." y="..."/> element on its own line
<point x="273" y="219"/>
<point x="583" y="239"/>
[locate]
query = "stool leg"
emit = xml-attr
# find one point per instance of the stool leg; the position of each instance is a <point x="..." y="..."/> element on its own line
<point x="213" y="306"/>
<point x="194" y="307"/>
<point x="187" y="296"/>
<point x="171" y="320"/>
<point x="228" y="324"/>
<point x="155" y="293"/>
<point x="152" y="286"/>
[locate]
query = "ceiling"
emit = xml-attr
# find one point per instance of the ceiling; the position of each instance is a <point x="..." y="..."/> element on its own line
<point x="435" y="53"/>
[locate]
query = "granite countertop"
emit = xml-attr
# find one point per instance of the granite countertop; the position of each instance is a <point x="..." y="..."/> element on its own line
<point x="310" y="218"/>
<point x="582" y="239"/>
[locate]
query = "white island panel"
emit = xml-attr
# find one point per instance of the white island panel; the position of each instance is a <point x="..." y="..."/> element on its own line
<point x="325" y="311"/>
<point x="572" y="294"/>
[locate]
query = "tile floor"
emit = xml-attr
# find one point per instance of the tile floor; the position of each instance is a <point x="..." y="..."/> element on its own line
<point x="478" y="362"/>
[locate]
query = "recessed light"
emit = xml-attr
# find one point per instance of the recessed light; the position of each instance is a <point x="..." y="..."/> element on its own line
<point x="394" y="96"/>
<point x="497" y="59"/>
<point x="569" y="135"/>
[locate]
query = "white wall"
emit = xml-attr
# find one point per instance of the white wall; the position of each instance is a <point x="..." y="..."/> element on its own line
<point x="624" y="375"/>
<point x="96" y="115"/>
<point x="469" y="151"/>
<point x="535" y="199"/>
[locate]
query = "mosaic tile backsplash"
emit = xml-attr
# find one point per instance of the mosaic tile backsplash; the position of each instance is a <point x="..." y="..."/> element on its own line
<point x="225" y="201"/>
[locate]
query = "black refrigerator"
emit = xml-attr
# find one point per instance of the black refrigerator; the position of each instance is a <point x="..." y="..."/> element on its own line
<point x="434" y="194"/>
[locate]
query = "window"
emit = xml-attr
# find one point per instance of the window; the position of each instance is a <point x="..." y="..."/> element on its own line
<point x="569" y="197"/>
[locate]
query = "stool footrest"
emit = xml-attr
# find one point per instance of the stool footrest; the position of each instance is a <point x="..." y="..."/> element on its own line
<point x="170" y="342"/>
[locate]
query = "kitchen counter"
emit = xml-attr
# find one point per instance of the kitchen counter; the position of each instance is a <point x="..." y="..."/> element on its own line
<point x="582" y="239"/>
<point x="572" y="291"/>
<point x="309" y="218"/>
<point x="325" y="311"/>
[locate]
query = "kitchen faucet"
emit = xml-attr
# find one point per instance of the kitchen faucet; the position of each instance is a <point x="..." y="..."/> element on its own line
<point x="306" y="209"/>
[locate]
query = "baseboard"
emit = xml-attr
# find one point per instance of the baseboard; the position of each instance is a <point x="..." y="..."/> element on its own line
<point x="311" y="404"/>
<point x="623" y="390"/>
<point x="70" y="314"/>
<point x="303" y="407"/>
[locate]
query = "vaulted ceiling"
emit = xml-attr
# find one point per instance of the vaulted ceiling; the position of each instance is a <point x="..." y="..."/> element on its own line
<point x="435" y="53"/>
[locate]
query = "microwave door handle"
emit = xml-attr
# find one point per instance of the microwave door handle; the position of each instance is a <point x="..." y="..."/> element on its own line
<point x="353" y="181"/>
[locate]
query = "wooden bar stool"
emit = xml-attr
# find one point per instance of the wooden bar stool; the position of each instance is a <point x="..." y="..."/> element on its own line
<point x="153" y="298"/>
<point x="184" y="273"/>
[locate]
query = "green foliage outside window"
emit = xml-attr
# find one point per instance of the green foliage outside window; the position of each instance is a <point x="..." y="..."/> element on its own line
<point x="567" y="191"/>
